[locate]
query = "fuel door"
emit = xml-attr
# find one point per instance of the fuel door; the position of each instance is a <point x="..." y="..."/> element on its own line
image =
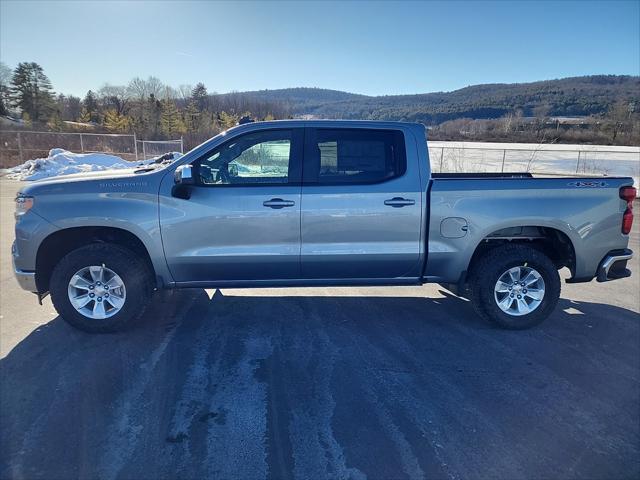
<point x="453" y="227"/>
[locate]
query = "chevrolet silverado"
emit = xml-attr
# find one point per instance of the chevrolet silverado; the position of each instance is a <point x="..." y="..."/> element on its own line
<point x="315" y="203"/>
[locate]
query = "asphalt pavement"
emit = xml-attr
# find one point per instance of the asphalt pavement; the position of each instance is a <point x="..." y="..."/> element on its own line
<point x="313" y="383"/>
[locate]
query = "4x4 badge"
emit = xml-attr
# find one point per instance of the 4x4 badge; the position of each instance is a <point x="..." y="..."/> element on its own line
<point x="591" y="184"/>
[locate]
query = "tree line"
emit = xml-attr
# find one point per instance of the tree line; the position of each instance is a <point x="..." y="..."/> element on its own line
<point x="603" y="109"/>
<point x="608" y="104"/>
<point x="148" y="107"/>
<point x="618" y="126"/>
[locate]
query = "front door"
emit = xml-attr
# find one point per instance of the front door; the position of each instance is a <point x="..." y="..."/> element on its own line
<point x="242" y="219"/>
<point x="361" y="210"/>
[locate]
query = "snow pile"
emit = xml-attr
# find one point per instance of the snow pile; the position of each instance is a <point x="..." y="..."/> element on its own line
<point x="63" y="162"/>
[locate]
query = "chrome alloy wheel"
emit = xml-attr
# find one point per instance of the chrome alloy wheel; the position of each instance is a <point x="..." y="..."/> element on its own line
<point x="97" y="292"/>
<point x="519" y="291"/>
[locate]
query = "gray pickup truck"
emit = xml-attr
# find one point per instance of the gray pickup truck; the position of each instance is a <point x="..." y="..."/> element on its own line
<point x="318" y="203"/>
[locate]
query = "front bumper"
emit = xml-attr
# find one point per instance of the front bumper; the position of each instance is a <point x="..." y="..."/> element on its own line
<point x="26" y="280"/>
<point x="614" y="265"/>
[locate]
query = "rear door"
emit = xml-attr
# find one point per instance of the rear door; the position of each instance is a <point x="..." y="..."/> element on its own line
<point x="361" y="207"/>
<point x="242" y="220"/>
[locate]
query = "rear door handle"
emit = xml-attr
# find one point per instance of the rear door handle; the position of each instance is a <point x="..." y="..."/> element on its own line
<point x="278" y="203"/>
<point x="398" y="202"/>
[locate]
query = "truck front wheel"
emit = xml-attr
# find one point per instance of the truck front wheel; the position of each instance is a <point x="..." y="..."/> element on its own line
<point x="100" y="287"/>
<point x="515" y="286"/>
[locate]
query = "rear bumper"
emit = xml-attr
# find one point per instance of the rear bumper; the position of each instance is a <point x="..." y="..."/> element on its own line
<point x="614" y="265"/>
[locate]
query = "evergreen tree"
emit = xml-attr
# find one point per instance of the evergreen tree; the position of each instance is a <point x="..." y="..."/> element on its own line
<point x="59" y="108"/>
<point x="72" y="108"/>
<point x="90" y="107"/>
<point x="26" y="119"/>
<point x="55" y="122"/>
<point x="31" y="91"/>
<point x="193" y="117"/>
<point x="200" y="97"/>
<point x="227" y="120"/>
<point x="153" y="116"/>
<point x="114" y="122"/>
<point x="170" y="121"/>
<point x="5" y="80"/>
<point x="85" y="116"/>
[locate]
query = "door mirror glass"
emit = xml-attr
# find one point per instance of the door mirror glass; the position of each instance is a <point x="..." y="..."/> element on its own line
<point x="184" y="175"/>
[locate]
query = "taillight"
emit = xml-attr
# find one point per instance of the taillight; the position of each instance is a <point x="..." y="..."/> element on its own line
<point x="628" y="194"/>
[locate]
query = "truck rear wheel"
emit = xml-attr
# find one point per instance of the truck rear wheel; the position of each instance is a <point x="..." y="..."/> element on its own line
<point x="515" y="286"/>
<point x="100" y="287"/>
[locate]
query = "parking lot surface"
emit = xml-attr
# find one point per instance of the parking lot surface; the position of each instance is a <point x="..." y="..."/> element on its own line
<point x="313" y="383"/>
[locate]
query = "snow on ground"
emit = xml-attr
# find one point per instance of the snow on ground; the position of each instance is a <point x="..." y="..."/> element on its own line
<point x="542" y="159"/>
<point x="63" y="162"/>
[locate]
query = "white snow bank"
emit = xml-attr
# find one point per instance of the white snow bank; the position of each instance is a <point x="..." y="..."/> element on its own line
<point x="63" y="162"/>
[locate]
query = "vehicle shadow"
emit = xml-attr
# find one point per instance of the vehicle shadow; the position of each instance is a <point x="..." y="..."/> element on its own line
<point x="235" y="386"/>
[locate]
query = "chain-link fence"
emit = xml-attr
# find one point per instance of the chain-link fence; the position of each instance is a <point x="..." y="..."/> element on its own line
<point x="585" y="160"/>
<point x="153" y="148"/>
<point x="18" y="146"/>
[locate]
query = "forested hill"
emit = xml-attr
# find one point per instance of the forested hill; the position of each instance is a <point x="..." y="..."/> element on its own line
<point x="576" y="96"/>
<point x="608" y="107"/>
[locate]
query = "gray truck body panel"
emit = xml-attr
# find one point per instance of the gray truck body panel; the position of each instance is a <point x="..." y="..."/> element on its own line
<point x="333" y="234"/>
<point x="589" y="216"/>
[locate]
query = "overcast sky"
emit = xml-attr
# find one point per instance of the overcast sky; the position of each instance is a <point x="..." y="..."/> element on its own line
<point x="373" y="48"/>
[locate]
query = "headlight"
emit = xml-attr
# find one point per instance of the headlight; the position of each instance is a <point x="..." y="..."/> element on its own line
<point x="23" y="204"/>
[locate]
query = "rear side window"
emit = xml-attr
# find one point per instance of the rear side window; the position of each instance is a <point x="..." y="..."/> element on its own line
<point x="352" y="156"/>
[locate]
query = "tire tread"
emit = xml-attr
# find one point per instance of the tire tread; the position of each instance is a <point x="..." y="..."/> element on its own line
<point x="494" y="262"/>
<point x="134" y="272"/>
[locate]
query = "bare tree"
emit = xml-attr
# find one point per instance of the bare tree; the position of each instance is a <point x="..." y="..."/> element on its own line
<point x="507" y="122"/>
<point x="184" y="92"/>
<point x="138" y="89"/>
<point x="168" y="93"/>
<point x="116" y="97"/>
<point x="154" y="86"/>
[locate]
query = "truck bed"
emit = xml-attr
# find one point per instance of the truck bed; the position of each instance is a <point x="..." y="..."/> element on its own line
<point x="482" y="175"/>
<point x="587" y="210"/>
<point x="499" y="175"/>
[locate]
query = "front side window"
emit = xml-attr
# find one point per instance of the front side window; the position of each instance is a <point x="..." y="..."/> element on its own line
<point x="255" y="158"/>
<point x="355" y="156"/>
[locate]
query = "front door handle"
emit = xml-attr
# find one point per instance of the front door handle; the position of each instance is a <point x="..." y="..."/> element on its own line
<point x="278" y="203"/>
<point x="398" y="202"/>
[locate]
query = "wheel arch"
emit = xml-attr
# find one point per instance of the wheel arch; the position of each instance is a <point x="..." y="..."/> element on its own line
<point x="550" y="240"/>
<point x="61" y="242"/>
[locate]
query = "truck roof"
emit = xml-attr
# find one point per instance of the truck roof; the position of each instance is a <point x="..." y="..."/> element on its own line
<point x="414" y="127"/>
<point x="331" y="122"/>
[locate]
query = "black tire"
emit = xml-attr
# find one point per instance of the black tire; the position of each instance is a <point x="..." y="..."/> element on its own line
<point x="492" y="265"/>
<point x="132" y="270"/>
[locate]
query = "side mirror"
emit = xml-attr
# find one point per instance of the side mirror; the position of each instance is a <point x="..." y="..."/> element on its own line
<point x="184" y="175"/>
